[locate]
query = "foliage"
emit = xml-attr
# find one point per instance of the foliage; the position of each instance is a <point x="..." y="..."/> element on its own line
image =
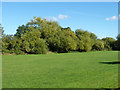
<point x="21" y="30"/>
<point x="118" y="42"/>
<point x="7" y="43"/>
<point x="11" y="44"/>
<point x="61" y="42"/>
<point x="1" y="35"/>
<point x="109" y="43"/>
<point x="99" y="45"/>
<point x="47" y="28"/>
<point x="86" y="40"/>
<point x="40" y="35"/>
<point x="34" y="44"/>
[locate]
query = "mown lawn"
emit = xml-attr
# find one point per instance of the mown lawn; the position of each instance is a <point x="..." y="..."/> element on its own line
<point x="66" y="70"/>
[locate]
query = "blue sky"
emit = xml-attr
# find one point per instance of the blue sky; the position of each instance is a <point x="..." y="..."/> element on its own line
<point x="99" y="18"/>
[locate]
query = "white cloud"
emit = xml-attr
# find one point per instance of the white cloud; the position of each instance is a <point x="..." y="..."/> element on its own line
<point x="50" y="18"/>
<point x="101" y="37"/>
<point x="107" y="19"/>
<point x="54" y="18"/>
<point x="111" y="18"/>
<point x="62" y="16"/>
<point x="114" y="18"/>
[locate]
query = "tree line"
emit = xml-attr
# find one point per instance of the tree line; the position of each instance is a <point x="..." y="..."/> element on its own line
<point x="40" y="36"/>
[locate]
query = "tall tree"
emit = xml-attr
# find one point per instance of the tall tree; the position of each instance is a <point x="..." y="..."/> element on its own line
<point x="98" y="45"/>
<point x="1" y="34"/>
<point x="86" y="40"/>
<point x="46" y="27"/>
<point x="118" y="42"/>
<point x="61" y="42"/>
<point x="21" y="30"/>
<point x="109" y="43"/>
<point x="32" y="43"/>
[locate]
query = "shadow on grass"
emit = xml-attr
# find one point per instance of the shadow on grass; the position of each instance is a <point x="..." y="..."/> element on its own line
<point x="117" y="62"/>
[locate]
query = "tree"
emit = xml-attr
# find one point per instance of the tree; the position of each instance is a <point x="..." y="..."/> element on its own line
<point x="17" y="45"/>
<point x="1" y="34"/>
<point x="32" y="43"/>
<point x="117" y="44"/>
<point x="109" y="43"/>
<point x="40" y="35"/>
<point x="61" y="43"/>
<point x="86" y="40"/>
<point x="7" y="43"/>
<point x="99" y="45"/>
<point x="21" y="30"/>
<point x="93" y="36"/>
<point x="11" y="44"/>
<point x="69" y="32"/>
<point x="47" y="28"/>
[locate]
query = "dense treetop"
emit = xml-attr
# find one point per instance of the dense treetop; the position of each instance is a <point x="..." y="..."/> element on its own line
<point x="40" y="36"/>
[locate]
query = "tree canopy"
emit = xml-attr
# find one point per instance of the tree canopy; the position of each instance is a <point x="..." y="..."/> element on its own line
<point x="40" y="36"/>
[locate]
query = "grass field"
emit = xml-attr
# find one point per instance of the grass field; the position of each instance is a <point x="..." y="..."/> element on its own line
<point x="66" y="70"/>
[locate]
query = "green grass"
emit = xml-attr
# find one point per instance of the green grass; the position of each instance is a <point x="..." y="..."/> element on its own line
<point x="66" y="70"/>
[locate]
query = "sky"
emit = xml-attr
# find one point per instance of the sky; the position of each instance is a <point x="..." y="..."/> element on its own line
<point x="60" y="0"/>
<point x="100" y="18"/>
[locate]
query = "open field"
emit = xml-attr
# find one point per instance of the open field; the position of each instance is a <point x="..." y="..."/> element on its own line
<point x="66" y="70"/>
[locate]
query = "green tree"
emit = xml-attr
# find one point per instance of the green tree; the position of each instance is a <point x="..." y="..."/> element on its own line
<point x="32" y="43"/>
<point x="99" y="45"/>
<point x="11" y="44"/>
<point x="40" y="34"/>
<point x="46" y="27"/>
<point x="109" y="43"/>
<point x="61" y="43"/>
<point x="17" y="45"/>
<point x="86" y="40"/>
<point x="1" y="34"/>
<point x="21" y="30"/>
<point x="117" y="44"/>
<point x="7" y="44"/>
